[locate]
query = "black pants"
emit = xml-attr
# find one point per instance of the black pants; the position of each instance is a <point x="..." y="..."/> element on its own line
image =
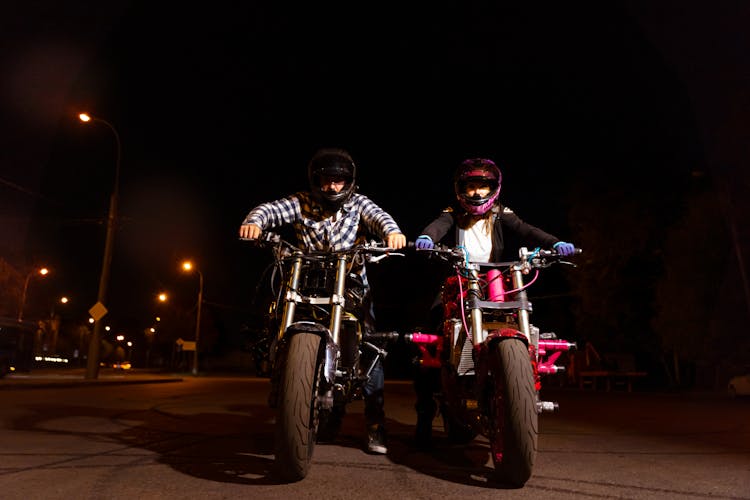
<point x="427" y="380"/>
<point x="374" y="388"/>
<point x="426" y="384"/>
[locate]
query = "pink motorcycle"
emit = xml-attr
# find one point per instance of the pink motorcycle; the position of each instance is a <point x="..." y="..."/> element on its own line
<point x="491" y="358"/>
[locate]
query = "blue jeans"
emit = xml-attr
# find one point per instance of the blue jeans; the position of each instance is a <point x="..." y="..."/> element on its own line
<point x="374" y="400"/>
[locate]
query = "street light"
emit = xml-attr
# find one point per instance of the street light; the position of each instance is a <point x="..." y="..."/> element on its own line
<point x="187" y="266"/>
<point x="42" y="272"/>
<point x="55" y="322"/>
<point x="92" y="366"/>
<point x="62" y="300"/>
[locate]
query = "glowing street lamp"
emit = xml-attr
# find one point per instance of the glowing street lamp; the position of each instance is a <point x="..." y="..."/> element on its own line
<point x="187" y="266"/>
<point x="62" y="300"/>
<point x="42" y="272"/>
<point x="92" y="368"/>
<point x="55" y="321"/>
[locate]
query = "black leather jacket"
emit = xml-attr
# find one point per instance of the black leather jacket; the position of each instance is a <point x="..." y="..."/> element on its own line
<point x="504" y="219"/>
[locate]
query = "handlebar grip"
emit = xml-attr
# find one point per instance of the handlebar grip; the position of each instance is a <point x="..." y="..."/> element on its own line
<point x="555" y="253"/>
<point x="422" y="338"/>
<point x="265" y="237"/>
<point x="381" y="336"/>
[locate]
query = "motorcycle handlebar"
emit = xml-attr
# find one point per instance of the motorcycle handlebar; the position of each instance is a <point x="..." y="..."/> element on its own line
<point x="446" y="252"/>
<point x="381" y="336"/>
<point x="268" y="238"/>
<point x="554" y="253"/>
<point x="458" y="253"/>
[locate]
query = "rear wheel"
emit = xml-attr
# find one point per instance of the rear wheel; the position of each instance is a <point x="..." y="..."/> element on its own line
<point x="295" y="425"/>
<point x="514" y="420"/>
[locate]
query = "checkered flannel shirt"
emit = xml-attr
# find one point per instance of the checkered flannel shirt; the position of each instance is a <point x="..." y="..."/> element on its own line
<point x="315" y="233"/>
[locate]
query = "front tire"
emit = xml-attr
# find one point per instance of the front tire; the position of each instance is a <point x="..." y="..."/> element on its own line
<point x="514" y="426"/>
<point x="295" y="425"/>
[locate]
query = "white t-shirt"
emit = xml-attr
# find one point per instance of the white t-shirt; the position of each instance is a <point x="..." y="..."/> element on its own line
<point x="477" y="241"/>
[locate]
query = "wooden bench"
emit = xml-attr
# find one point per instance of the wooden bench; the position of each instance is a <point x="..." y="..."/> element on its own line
<point x="609" y="377"/>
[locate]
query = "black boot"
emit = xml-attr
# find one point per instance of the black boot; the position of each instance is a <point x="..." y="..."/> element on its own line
<point x="375" y="420"/>
<point x="376" y="439"/>
<point x="423" y="433"/>
<point x="425" y="382"/>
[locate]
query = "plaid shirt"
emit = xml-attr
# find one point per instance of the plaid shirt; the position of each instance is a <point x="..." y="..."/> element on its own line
<point x="316" y="233"/>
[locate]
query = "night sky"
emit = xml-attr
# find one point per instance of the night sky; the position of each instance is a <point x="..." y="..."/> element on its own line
<point x="219" y="107"/>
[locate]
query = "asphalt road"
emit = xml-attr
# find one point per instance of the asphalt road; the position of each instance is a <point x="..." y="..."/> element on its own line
<point x="212" y="438"/>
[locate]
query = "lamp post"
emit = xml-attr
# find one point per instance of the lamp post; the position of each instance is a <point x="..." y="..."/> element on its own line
<point x="42" y="272"/>
<point x="92" y="366"/>
<point x="187" y="266"/>
<point x="55" y="322"/>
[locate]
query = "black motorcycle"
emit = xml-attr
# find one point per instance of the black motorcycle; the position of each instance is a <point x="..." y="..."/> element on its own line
<point x="322" y="355"/>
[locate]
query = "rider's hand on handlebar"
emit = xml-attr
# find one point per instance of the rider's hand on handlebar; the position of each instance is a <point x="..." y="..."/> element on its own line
<point x="250" y="231"/>
<point x="395" y="241"/>
<point x="564" y="248"/>
<point x="424" y="242"/>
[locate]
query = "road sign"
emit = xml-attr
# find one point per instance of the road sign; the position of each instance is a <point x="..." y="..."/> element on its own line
<point x="98" y="311"/>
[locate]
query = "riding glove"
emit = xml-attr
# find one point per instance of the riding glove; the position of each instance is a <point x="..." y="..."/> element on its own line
<point x="424" y="242"/>
<point x="564" y="248"/>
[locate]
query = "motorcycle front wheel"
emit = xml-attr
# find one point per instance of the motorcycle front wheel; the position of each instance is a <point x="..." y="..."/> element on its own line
<point x="295" y="423"/>
<point x="514" y="424"/>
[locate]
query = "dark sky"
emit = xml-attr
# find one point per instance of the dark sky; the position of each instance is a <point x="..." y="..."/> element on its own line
<point x="220" y="105"/>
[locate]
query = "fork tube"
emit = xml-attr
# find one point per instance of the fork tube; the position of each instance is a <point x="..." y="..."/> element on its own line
<point x="477" y="325"/>
<point x="337" y="300"/>
<point x="290" y="303"/>
<point x="523" y="311"/>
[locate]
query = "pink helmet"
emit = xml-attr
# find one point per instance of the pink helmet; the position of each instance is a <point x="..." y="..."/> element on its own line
<point x="477" y="170"/>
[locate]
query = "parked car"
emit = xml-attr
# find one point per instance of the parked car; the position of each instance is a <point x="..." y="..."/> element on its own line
<point x="739" y="385"/>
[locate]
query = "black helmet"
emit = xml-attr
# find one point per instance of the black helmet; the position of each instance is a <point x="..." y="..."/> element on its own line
<point x="482" y="170"/>
<point x="331" y="162"/>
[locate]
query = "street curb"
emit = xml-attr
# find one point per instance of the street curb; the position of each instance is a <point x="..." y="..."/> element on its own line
<point x="6" y="384"/>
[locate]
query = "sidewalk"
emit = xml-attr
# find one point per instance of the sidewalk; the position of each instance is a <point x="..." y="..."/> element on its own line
<point x="76" y="377"/>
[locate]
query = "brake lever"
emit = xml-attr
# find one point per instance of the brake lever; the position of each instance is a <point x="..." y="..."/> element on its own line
<point x="378" y="258"/>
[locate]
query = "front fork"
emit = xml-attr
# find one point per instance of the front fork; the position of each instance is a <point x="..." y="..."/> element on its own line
<point x="330" y="335"/>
